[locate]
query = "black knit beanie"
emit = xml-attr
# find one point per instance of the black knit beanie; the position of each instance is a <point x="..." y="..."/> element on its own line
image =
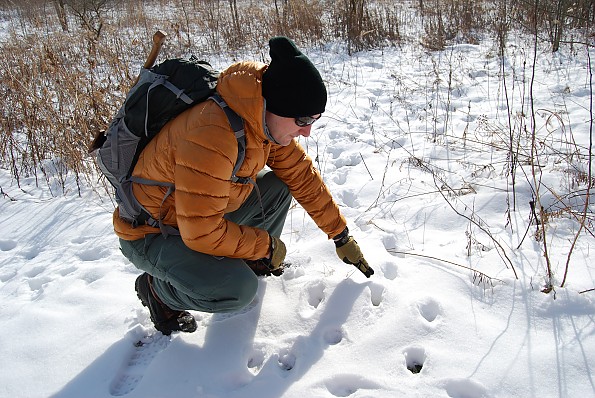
<point x="291" y="85"/>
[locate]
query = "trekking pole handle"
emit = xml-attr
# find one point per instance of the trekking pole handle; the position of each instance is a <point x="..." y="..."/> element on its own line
<point x="158" y="40"/>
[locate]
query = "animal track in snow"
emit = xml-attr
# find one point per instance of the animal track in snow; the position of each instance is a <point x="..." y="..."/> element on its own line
<point x="294" y="271"/>
<point x="333" y="336"/>
<point x="344" y="385"/>
<point x="351" y="160"/>
<point x="310" y="298"/>
<point x="415" y="358"/>
<point x="7" y="245"/>
<point x="256" y="360"/>
<point x="429" y="309"/>
<point x="315" y="293"/>
<point x="286" y="360"/>
<point x="464" y="388"/>
<point x="30" y="253"/>
<point x="80" y="240"/>
<point x="93" y="275"/>
<point x="93" y="254"/>
<point x="67" y="270"/>
<point x="340" y="178"/>
<point x="37" y="284"/>
<point x="335" y="151"/>
<point x="390" y="270"/>
<point x="390" y="243"/>
<point x="33" y="272"/>
<point x="37" y="280"/>
<point x="348" y="198"/>
<point x="7" y="275"/>
<point x="376" y="292"/>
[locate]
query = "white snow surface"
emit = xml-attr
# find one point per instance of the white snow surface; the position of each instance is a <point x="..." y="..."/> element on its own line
<point x="70" y="316"/>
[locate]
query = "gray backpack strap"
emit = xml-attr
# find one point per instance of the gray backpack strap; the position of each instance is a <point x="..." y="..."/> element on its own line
<point x="178" y="92"/>
<point x="146" y="218"/>
<point x="166" y="230"/>
<point x="146" y="181"/>
<point x="237" y="125"/>
<point x="114" y="149"/>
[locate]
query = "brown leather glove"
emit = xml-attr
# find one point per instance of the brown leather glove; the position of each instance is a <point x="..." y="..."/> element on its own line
<point x="348" y="250"/>
<point x="278" y="252"/>
<point x="271" y="266"/>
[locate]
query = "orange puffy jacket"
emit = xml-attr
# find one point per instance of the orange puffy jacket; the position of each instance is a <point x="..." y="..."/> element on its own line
<point x="197" y="151"/>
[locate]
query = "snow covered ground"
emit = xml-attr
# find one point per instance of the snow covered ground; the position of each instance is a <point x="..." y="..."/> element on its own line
<point x="413" y="146"/>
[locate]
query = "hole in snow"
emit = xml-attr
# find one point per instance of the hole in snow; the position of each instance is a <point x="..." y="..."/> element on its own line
<point x="390" y="270"/>
<point x="414" y="359"/>
<point x="333" y="336"/>
<point x="345" y="385"/>
<point x="286" y="360"/>
<point x="429" y="309"/>
<point x="316" y="294"/>
<point x="376" y="292"/>
<point x="7" y="245"/>
<point x="464" y="388"/>
<point x="256" y="360"/>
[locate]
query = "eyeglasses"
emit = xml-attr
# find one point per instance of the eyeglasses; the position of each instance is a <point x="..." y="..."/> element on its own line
<point x="306" y="120"/>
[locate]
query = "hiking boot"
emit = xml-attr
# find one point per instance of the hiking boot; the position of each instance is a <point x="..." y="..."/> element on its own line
<point x="261" y="268"/>
<point x="164" y="318"/>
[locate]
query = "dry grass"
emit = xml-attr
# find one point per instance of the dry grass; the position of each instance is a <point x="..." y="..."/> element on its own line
<point x="65" y="72"/>
<point x="76" y="71"/>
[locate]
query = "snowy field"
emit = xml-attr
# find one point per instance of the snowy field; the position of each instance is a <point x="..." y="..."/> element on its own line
<point x="414" y="148"/>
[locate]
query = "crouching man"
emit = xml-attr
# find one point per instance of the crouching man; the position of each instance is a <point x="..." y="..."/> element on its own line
<point x="229" y="231"/>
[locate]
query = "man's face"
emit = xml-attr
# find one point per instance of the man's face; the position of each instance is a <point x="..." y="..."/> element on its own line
<point x="284" y="129"/>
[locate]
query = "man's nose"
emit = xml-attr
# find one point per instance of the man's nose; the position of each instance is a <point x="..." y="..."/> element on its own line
<point x="305" y="131"/>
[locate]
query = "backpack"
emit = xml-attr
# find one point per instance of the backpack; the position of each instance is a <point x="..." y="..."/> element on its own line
<point x="160" y="94"/>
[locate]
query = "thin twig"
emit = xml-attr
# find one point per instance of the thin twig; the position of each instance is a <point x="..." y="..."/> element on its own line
<point x="7" y="195"/>
<point x="482" y="275"/>
<point x="501" y="251"/>
<point x="537" y="175"/>
<point x="360" y="154"/>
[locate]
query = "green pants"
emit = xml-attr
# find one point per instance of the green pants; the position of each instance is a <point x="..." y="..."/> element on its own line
<point x="188" y="280"/>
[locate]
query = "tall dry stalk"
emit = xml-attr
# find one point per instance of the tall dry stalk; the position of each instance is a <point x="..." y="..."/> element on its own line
<point x="585" y="211"/>
<point x="536" y="172"/>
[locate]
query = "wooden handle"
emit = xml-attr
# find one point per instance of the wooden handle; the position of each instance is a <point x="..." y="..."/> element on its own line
<point x="158" y="40"/>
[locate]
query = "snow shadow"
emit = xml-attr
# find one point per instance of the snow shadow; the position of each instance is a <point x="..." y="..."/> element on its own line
<point x="221" y="365"/>
<point x="95" y="380"/>
<point x="179" y="368"/>
<point x="280" y="371"/>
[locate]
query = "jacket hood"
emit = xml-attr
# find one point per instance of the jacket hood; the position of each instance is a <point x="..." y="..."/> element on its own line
<point x="240" y="85"/>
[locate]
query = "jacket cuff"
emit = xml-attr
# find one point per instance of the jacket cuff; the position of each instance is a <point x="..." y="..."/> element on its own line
<point x="342" y="238"/>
